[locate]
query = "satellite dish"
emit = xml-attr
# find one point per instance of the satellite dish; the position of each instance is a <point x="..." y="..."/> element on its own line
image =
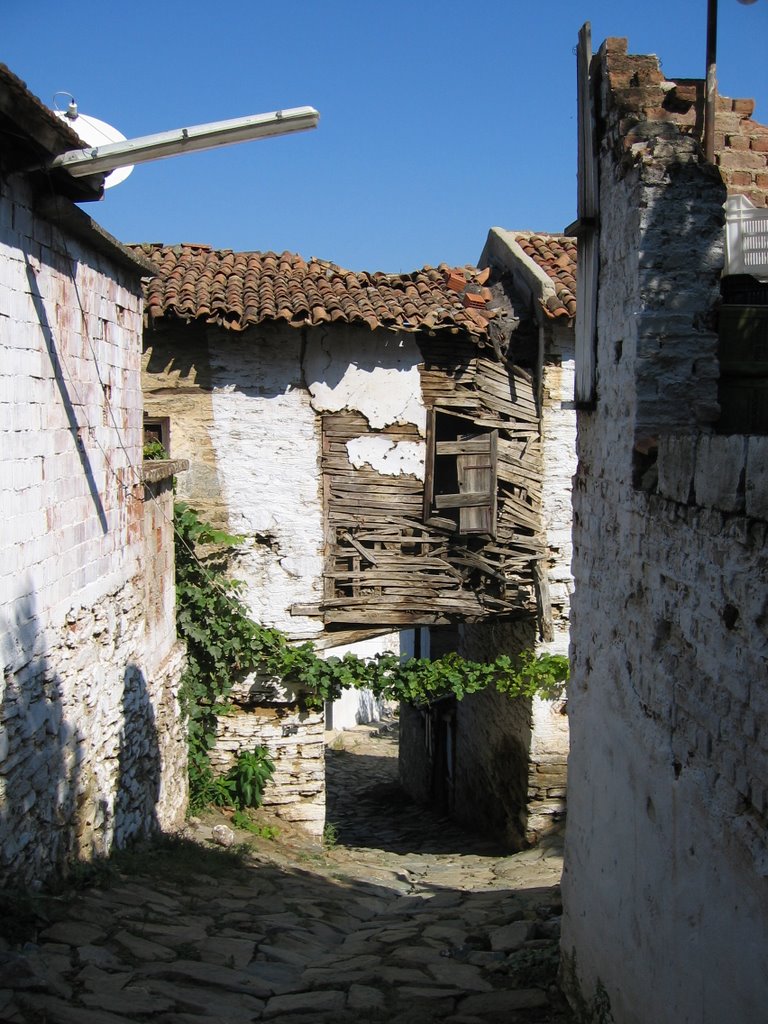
<point x="94" y="132"/>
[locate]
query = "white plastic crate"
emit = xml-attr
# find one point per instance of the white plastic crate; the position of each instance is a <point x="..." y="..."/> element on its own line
<point x="746" y="238"/>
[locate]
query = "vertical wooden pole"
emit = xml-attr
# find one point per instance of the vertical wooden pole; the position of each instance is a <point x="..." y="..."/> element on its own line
<point x="711" y="83"/>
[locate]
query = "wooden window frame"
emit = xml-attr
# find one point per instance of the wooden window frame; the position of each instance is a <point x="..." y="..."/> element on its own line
<point x="162" y="425"/>
<point x="470" y="509"/>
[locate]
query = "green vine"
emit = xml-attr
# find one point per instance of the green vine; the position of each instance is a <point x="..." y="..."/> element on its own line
<point x="154" y="450"/>
<point x="225" y="646"/>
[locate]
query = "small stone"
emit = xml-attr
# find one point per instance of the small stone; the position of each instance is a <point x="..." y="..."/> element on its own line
<point x="129" y="1000"/>
<point x="94" y="979"/>
<point x="511" y="936"/>
<point x="207" y="974"/>
<point x="465" y="976"/>
<point x="74" y="933"/>
<point x="56" y="1011"/>
<point x="363" y="997"/>
<point x="504" y="1001"/>
<point x="101" y="957"/>
<point x="227" y="952"/>
<point x="223" y="836"/>
<point x="305" y="1002"/>
<point x="143" y="949"/>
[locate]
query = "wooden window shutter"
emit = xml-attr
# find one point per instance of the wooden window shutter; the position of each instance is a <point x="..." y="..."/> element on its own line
<point x="460" y="480"/>
<point x="429" y="464"/>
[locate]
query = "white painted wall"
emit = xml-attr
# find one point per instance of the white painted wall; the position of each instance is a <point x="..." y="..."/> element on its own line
<point x="380" y="379"/>
<point x="358" y="707"/>
<point x="91" y="752"/>
<point x="666" y="882"/>
<point x="558" y="437"/>
<point x="266" y="439"/>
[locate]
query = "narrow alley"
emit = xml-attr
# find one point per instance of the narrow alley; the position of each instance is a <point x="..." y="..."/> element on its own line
<point x="399" y="916"/>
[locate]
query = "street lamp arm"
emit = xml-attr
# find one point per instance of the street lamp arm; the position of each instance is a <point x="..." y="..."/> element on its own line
<point x="102" y="159"/>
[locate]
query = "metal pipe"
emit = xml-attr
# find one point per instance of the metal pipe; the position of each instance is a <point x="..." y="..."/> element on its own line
<point x="101" y="159"/>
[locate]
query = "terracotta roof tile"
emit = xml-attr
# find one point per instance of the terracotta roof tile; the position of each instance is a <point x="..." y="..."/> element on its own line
<point x="556" y="256"/>
<point x="239" y="290"/>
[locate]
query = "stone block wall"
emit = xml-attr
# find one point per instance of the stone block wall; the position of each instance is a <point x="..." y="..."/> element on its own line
<point x="558" y="430"/>
<point x="295" y="741"/>
<point x="666" y="859"/>
<point x="90" y="747"/>
<point x="741" y="148"/>
<point x="511" y="755"/>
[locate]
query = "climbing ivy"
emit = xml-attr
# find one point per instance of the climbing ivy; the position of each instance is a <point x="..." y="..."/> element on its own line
<point x="224" y="646"/>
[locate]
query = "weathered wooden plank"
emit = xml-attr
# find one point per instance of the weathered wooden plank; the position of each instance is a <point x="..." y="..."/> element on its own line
<point x="471" y="499"/>
<point x="346" y="538"/>
<point x="469" y="447"/>
<point x="463" y="401"/>
<point x="474" y="561"/>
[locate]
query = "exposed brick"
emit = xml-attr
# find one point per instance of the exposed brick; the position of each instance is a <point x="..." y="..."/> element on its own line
<point x="741" y="161"/>
<point x="745" y="106"/>
<point x="456" y="281"/>
<point x="739" y="178"/>
<point x="759" y="144"/>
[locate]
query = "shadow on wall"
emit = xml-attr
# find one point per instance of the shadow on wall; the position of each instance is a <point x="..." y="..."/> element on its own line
<point x="139" y="766"/>
<point x="679" y="268"/>
<point x="60" y="375"/>
<point x="70" y="792"/>
<point x="40" y="755"/>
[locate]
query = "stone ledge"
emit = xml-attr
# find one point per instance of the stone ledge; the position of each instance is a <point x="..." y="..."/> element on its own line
<point x="155" y="470"/>
<point x="724" y="472"/>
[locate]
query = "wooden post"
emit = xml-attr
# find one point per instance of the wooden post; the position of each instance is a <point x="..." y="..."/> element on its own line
<point x="711" y="83"/>
<point x="586" y="228"/>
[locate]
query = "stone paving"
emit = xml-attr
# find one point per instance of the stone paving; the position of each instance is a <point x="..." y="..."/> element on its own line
<point x="400" y="917"/>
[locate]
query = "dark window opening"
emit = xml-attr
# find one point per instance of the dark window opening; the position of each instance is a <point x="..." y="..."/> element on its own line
<point x="157" y="430"/>
<point x="460" y="475"/>
<point x="743" y="356"/>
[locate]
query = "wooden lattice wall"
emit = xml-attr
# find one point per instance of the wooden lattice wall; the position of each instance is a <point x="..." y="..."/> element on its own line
<point x="401" y="554"/>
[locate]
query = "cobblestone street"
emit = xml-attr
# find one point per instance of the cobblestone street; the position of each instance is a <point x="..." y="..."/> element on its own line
<point x="399" y="917"/>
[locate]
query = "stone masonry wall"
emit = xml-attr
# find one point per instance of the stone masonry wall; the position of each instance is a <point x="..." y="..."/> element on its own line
<point x="245" y="413"/>
<point x="88" y="723"/>
<point x="511" y="756"/>
<point x="295" y="741"/>
<point x="666" y="861"/>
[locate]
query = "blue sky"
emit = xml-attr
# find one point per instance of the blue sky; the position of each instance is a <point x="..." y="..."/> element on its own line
<point x="439" y="118"/>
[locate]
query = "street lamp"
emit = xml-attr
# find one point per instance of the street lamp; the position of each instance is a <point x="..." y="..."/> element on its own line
<point x="104" y="158"/>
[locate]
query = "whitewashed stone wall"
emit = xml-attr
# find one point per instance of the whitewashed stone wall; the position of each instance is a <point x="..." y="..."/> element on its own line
<point x="246" y="413"/>
<point x="665" y="886"/>
<point x="558" y="435"/>
<point x="295" y="741"/>
<point x="511" y="756"/>
<point x="88" y="732"/>
<point x="359" y="707"/>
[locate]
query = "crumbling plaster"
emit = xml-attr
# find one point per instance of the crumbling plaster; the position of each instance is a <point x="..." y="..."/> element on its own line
<point x="92" y="752"/>
<point x="379" y="379"/>
<point x="665" y="877"/>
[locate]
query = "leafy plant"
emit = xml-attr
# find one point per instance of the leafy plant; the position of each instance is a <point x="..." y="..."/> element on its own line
<point x="330" y="835"/>
<point x="225" y="646"/>
<point x="246" y="780"/>
<point x="241" y="819"/>
<point x="154" y="450"/>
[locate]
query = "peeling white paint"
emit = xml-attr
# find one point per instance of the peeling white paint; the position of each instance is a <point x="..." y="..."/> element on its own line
<point x="267" y="445"/>
<point x="379" y="380"/>
<point x="391" y="458"/>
